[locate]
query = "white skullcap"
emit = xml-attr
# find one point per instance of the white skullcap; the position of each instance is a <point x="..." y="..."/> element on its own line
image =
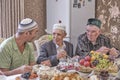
<point x="59" y="26"/>
<point x="26" y="24"/>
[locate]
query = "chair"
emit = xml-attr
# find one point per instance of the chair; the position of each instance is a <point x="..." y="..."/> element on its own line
<point x="43" y="39"/>
<point x="1" y="40"/>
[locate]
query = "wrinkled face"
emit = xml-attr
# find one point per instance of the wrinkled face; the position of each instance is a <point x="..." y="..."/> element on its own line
<point x="32" y="34"/>
<point x="92" y="32"/>
<point x="58" y="36"/>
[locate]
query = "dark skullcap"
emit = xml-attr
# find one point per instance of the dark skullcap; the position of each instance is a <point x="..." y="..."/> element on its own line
<point x="94" y="21"/>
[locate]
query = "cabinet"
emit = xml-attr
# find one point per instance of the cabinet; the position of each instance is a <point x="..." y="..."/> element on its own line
<point x="72" y="13"/>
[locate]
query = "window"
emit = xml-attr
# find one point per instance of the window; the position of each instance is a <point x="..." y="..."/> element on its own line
<point x="11" y="12"/>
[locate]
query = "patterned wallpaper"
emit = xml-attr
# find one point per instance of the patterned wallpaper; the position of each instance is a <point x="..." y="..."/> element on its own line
<point x="108" y="11"/>
<point x="36" y="10"/>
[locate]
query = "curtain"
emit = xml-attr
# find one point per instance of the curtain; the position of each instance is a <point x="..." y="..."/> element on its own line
<point x="11" y="12"/>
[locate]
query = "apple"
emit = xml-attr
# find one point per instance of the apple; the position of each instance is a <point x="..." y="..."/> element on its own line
<point x="87" y="58"/>
<point x="86" y="63"/>
<point x="81" y="62"/>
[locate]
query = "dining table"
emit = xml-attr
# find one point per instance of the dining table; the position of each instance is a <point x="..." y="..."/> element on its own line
<point x="12" y="77"/>
<point x="84" y="74"/>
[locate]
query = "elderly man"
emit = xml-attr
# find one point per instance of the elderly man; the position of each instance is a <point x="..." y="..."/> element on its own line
<point x="92" y="39"/>
<point x="52" y="51"/>
<point x="16" y="55"/>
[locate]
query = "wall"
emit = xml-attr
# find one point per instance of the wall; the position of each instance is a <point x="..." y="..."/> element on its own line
<point x="79" y="17"/>
<point x="36" y="10"/>
<point x="74" y="17"/>
<point x="108" y="11"/>
<point x="12" y="11"/>
<point x="56" y="11"/>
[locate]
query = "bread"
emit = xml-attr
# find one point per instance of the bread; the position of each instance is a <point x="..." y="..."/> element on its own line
<point x="66" y="76"/>
<point x="18" y="78"/>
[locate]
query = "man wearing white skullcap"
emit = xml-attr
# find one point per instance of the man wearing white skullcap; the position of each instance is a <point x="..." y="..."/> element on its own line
<point x="16" y="53"/>
<point x="59" y="26"/>
<point x="56" y="49"/>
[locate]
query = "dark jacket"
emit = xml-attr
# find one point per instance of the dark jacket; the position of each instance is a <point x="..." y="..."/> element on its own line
<point x="49" y="51"/>
<point x="84" y="46"/>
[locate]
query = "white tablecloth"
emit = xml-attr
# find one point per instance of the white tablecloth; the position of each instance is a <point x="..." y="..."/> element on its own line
<point x="3" y="77"/>
<point x="12" y="77"/>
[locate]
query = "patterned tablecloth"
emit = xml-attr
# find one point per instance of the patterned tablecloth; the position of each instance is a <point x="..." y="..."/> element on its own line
<point x="85" y="75"/>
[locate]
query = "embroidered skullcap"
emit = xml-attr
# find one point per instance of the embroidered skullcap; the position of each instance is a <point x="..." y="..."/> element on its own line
<point x="94" y="21"/>
<point x="27" y="24"/>
<point x="59" y="26"/>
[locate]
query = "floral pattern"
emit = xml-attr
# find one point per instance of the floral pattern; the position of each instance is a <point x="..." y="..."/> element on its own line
<point x="108" y="11"/>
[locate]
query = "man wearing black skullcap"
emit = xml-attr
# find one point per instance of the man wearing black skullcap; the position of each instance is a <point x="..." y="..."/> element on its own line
<point x="92" y="39"/>
<point x="16" y="53"/>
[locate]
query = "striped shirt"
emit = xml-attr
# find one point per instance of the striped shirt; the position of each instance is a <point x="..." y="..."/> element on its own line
<point x="84" y="46"/>
<point x="11" y="57"/>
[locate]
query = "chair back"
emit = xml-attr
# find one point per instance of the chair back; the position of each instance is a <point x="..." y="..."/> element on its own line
<point x="43" y="39"/>
<point x="1" y="40"/>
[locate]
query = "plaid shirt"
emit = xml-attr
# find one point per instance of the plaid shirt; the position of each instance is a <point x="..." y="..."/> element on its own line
<point x="84" y="46"/>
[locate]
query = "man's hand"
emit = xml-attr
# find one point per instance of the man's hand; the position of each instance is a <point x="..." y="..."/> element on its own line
<point x="103" y="50"/>
<point x="46" y="63"/>
<point x="114" y="52"/>
<point x="24" y="68"/>
<point x="76" y="57"/>
<point x="61" y="54"/>
<point x="19" y="70"/>
<point x="1" y="73"/>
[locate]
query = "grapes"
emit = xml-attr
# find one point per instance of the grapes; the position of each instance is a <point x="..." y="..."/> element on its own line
<point x="104" y="75"/>
<point x="103" y="64"/>
<point x="100" y="61"/>
<point x="26" y="75"/>
<point x="95" y="62"/>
